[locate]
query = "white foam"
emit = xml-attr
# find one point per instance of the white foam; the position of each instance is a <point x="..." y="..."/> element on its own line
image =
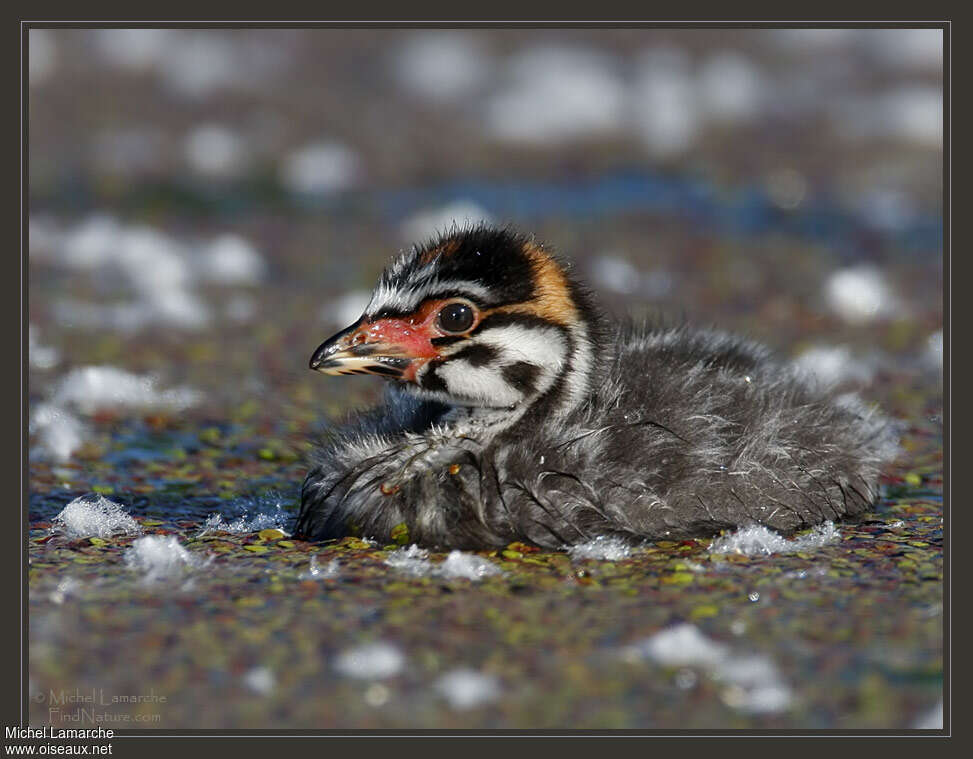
<point x="260" y="680"/>
<point x="214" y="150"/>
<point x="177" y="308"/>
<point x="556" y="94"/>
<point x="162" y="272"/>
<point x="412" y="560"/>
<point x="603" y="548"/>
<point x="93" y="242"/>
<point x="117" y="317"/>
<point x="664" y="106"/>
<point x="914" y="114"/>
<point x="43" y="56"/>
<point x="159" y="557"/>
<point x="933" y="354"/>
<point x="753" y="685"/>
<point x="94" y="516"/>
<point x="752" y="682"/>
<point x="468" y="689"/>
<point x="154" y="261"/>
<point x="377" y="695"/>
<point x="93" y="388"/>
<point x="243" y="524"/>
<point x="469" y="566"/>
<point x="803" y="574"/>
<point x="345" y="309"/>
<point x="231" y="260"/>
<point x="41" y="356"/>
<point x="931" y="720"/>
<point x="200" y="63"/>
<point x="911" y="114"/>
<point x="66" y="588"/>
<point x="757" y="540"/>
<point x="829" y="365"/>
<point x="59" y="432"/>
<point x="151" y="260"/>
<point x="433" y="221"/>
<point x="616" y="274"/>
<point x="320" y="168"/>
<point x="686" y="679"/>
<point x="860" y="294"/>
<point x="682" y="646"/>
<point x="316" y="572"/>
<point x="457" y="565"/>
<point x="441" y="65"/>
<point x="372" y="661"/>
<point x="730" y="87"/>
<point x="156" y="266"/>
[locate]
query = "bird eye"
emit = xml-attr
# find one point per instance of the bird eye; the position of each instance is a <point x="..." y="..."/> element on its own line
<point x="456" y="318"/>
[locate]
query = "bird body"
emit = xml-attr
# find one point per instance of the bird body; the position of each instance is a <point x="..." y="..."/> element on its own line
<point x="517" y="411"/>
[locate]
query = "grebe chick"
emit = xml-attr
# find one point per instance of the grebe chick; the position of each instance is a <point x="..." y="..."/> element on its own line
<point x="516" y="411"/>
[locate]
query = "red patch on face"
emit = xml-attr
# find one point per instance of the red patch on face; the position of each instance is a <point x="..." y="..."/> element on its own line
<point x="412" y="335"/>
<point x="411" y="339"/>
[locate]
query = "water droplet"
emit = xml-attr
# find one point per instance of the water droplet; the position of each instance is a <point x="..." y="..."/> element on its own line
<point x="377" y="695"/>
<point x="314" y="570"/>
<point x="685" y="679"/>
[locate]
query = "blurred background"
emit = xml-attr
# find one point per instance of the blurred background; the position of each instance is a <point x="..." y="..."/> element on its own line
<point x="203" y="184"/>
<point x="206" y="206"/>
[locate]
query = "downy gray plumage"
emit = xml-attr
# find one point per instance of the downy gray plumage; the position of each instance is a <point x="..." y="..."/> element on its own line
<point x="517" y="411"/>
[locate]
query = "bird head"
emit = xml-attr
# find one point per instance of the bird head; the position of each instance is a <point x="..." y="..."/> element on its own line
<point x="480" y="317"/>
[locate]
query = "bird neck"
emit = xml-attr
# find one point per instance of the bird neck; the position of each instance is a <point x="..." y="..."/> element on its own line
<point x="581" y="370"/>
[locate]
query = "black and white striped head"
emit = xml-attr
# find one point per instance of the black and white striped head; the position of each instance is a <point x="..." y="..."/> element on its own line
<point x="480" y="317"/>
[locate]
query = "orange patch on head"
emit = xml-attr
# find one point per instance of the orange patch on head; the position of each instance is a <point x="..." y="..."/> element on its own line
<point x="553" y="299"/>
